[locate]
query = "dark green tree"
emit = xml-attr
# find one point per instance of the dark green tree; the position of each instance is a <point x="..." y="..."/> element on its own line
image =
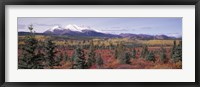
<point x="65" y="57"/>
<point x="31" y="58"/>
<point x="50" y="53"/>
<point x="99" y="61"/>
<point x="58" y="59"/>
<point x="73" y="56"/>
<point x="144" y="52"/>
<point x="116" y="52"/>
<point x="173" y="48"/>
<point x="177" y="56"/>
<point x="125" y="58"/>
<point x="39" y="60"/>
<point x="91" y="56"/>
<point x="150" y="57"/>
<point x="134" y="53"/>
<point x="163" y="56"/>
<point x="79" y="62"/>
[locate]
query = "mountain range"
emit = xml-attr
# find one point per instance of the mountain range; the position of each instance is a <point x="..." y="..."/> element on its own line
<point x="84" y="31"/>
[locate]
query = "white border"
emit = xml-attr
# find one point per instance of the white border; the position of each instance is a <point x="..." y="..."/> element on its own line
<point x="187" y="74"/>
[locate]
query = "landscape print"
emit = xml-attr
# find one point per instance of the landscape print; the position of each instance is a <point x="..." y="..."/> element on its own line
<point x="99" y="42"/>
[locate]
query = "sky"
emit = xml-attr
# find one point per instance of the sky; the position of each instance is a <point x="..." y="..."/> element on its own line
<point x="171" y="26"/>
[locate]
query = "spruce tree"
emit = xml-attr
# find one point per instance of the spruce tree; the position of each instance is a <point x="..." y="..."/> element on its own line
<point x="59" y="58"/>
<point x="173" y="48"/>
<point x="116" y="52"/>
<point x="50" y="53"/>
<point x="134" y="53"/>
<point x="125" y="58"/>
<point x="144" y="52"/>
<point x="65" y="57"/>
<point x="39" y="60"/>
<point x="99" y="61"/>
<point x="177" y="56"/>
<point x="79" y="62"/>
<point x="91" y="56"/>
<point x="150" y="57"/>
<point x="30" y="59"/>
<point x="73" y="56"/>
<point x="163" y="56"/>
<point x="119" y="51"/>
<point x="121" y="54"/>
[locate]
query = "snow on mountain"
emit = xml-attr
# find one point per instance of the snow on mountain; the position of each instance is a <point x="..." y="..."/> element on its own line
<point x="74" y="30"/>
<point x="55" y="28"/>
<point x="74" y="27"/>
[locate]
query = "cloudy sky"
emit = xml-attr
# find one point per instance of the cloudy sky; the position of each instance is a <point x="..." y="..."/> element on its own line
<point x="145" y="25"/>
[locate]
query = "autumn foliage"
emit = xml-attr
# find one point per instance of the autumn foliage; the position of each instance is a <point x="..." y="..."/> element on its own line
<point x="48" y="52"/>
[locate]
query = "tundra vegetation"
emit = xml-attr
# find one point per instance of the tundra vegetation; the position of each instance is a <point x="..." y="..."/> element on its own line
<point x="63" y="52"/>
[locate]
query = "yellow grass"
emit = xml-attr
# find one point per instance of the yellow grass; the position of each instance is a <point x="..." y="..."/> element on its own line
<point x="159" y="42"/>
<point x="101" y="42"/>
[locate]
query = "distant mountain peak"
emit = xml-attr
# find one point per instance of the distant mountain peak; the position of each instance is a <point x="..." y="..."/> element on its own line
<point x="74" y="27"/>
<point x="55" y="28"/>
<point x="75" y="30"/>
<point x="146" y="36"/>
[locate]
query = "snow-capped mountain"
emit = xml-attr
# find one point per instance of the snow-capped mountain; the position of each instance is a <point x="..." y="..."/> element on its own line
<point x="74" y="30"/>
<point x="72" y="27"/>
<point x="85" y="31"/>
<point x="55" y="28"/>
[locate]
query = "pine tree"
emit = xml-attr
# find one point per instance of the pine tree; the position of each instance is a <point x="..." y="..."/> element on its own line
<point x="73" y="57"/>
<point x="79" y="62"/>
<point x="91" y="56"/>
<point x="125" y="58"/>
<point x="99" y="61"/>
<point x="177" y="56"/>
<point x="119" y="51"/>
<point x="50" y="53"/>
<point x="65" y="57"/>
<point x="39" y="60"/>
<point x="134" y="53"/>
<point x="144" y="52"/>
<point x="173" y="48"/>
<point x="163" y="56"/>
<point x="29" y="58"/>
<point x="150" y="57"/>
<point x="121" y="54"/>
<point x="59" y="58"/>
<point x="116" y="52"/>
